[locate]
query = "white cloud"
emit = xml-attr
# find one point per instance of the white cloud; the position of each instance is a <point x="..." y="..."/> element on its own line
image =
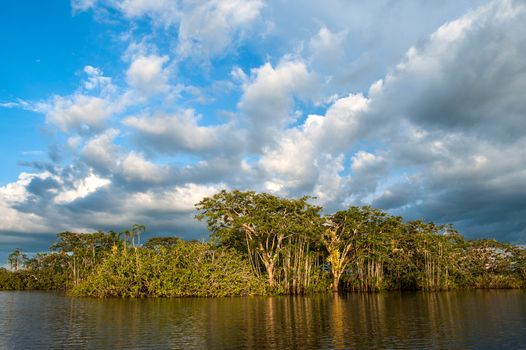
<point x="81" y="188"/>
<point x="13" y="194"/>
<point x="267" y="99"/>
<point x="82" y="5"/>
<point x="176" y="199"/>
<point x="309" y="159"/>
<point x="79" y="112"/>
<point x="74" y="142"/>
<point x="85" y="111"/>
<point x="135" y="168"/>
<point x="331" y="188"/>
<point x="181" y="133"/>
<point x="269" y="84"/>
<point x="291" y="164"/>
<point x="239" y="75"/>
<point x="210" y="27"/>
<point x="96" y="80"/>
<point x="16" y="221"/>
<point x="164" y="11"/>
<point x="100" y="152"/>
<point x="328" y="50"/>
<point x="204" y="29"/>
<point x="364" y="160"/>
<point x="147" y="75"/>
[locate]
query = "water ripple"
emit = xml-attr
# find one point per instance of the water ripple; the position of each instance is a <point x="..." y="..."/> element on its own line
<point x="449" y="320"/>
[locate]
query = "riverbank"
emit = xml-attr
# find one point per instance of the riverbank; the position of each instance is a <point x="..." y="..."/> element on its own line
<point x="201" y="269"/>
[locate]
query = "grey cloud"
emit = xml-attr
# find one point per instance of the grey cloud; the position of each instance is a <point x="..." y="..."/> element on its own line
<point x="28" y="242"/>
<point x="473" y="82"/>
<point x="452" y="115"/>
<point x="268" y="100"/>
<point x="39" y="165"/>
<point x="41" y="187"/>
<point x="182" y="134"/>
<point x="397" y="197"/>
<point x="377" y="32"/>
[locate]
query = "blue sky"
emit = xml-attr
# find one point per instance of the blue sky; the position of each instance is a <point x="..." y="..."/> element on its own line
<point x="121" y="111"/>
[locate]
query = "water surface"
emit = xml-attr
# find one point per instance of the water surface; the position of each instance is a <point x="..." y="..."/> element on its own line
<point x="448" y="320"/>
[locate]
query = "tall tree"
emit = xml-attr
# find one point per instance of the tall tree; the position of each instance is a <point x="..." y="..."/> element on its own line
<point x="127" y="234"/>
<point x="17" y="259"/>
<point x="348" y="230"/>
<point x="137" y="229"/>
<point x="257" y="223"/>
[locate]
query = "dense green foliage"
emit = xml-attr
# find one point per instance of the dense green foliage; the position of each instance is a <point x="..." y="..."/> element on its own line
<point x="185" y="269"/>
<point x="263" y="244"/>
<point x="276" y="235"/>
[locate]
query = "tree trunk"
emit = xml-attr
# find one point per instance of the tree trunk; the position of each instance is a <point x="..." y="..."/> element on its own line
<point x="336" y="281"/>
<point x="270" y="271"/>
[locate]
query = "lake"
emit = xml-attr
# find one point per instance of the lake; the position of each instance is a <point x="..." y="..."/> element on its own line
<point x="494" y="319"/>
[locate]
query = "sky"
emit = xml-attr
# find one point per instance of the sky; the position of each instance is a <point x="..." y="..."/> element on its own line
<point x="114" y="112"/>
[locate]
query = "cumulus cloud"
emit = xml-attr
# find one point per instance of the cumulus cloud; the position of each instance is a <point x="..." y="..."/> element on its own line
<point x="268" y="97"/>
<point x="291" y="164"/>
<point x="147" y="75"/>
<point x="204" y="29"/>
<point x="208" y="28"/>
<point x="135" y="168"/>
<point x="466" y="75"/>
<point x="79" y="112"/>
<point x="15" y="194"/>
<point x="327" y="50"/>
<point x="81" y="188"/>
<point x="368" y="171"/>
<point x="100" y="152"/>
<point x="17" y="221"/>
<point x="310" y="159"/>
<point x="87" y="110"/>
<point x="182" y="133"/>
<point x="440" y="137"/>
<point x="178" y="199"/>
<point x="457" y="123"/>
<point x="92" y="202"/>
<point x="297" y="161"/>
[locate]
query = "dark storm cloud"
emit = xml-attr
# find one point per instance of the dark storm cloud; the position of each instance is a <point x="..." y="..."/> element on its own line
<point x="42" y="187"/>
<point x="459" y="125"/>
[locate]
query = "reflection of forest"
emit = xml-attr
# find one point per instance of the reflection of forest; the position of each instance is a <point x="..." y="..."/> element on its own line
<point x="460" y="319"/>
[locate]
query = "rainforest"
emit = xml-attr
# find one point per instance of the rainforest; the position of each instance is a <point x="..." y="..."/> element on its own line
<point x="262" y="244"/>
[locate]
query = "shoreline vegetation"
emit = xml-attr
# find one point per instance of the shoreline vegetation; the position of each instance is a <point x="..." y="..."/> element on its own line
<point x="261" y="244"/>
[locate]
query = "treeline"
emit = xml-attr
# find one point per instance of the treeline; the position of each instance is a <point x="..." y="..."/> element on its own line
<point x="263" y="244"/>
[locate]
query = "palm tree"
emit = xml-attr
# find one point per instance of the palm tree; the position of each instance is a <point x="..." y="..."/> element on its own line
<point x="115" y="237"/>
<point x="17" y="258"/>
<point x="138" y="228"/>
<point x="131" y="234"/>
<point x="127" y="234"/>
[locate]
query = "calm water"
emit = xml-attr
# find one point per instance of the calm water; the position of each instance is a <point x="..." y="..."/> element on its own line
<point x="456" y="320"/>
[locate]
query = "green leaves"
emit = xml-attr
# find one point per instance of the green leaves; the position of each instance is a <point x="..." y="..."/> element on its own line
<point x="183" y="269"/>
<point x="258" y="224"/>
